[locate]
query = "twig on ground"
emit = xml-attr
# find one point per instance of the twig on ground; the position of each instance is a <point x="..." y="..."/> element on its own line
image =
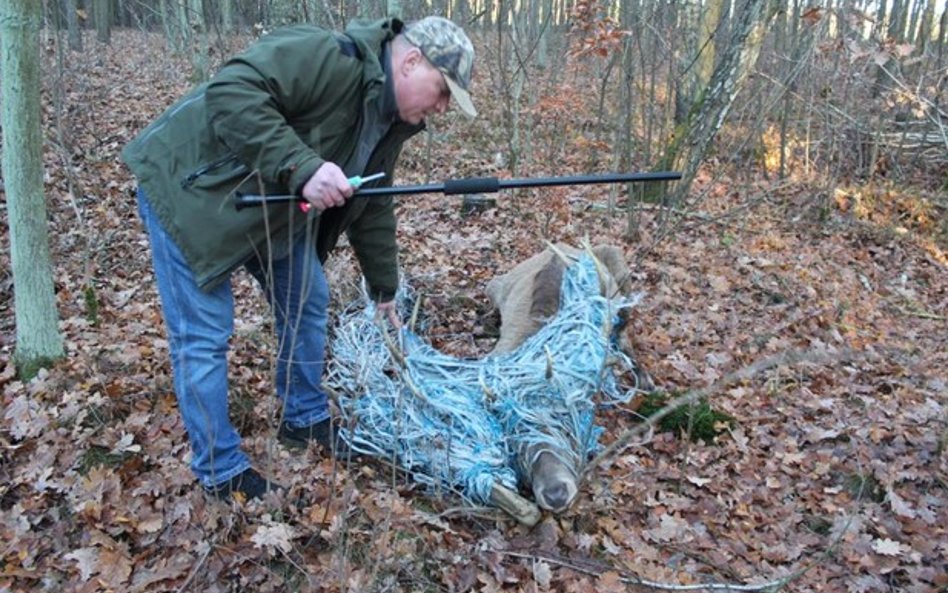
<point x="197" y="567"/>
<point x="921" y="314"/>
<point x="596" y="569"/>
<point x="784" y="358"/>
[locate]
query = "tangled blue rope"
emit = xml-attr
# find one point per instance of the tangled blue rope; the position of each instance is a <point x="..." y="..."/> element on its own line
<point x="456" y="423"/>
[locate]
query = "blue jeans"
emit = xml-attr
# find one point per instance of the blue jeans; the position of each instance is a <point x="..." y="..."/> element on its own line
<point x="200" y="325"/>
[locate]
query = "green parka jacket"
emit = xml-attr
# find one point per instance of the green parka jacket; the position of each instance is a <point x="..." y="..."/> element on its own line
<point x="265" y="123"/>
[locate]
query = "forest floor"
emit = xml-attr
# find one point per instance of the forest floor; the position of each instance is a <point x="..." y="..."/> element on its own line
<point x="833" y="475"/>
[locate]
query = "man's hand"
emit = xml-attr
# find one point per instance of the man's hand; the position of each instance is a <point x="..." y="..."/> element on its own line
<point x="387" y="309"/>
<point x="327" y="187"/>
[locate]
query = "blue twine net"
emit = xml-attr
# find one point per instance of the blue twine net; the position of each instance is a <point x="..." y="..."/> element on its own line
<point x="457" y="424"/>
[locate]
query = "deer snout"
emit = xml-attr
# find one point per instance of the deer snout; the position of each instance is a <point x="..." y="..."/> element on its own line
<point x="554" y="483"/>
<point x="556" y="498"/>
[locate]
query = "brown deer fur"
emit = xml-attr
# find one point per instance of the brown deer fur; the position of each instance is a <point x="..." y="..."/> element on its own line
<point x="527" y="296"/>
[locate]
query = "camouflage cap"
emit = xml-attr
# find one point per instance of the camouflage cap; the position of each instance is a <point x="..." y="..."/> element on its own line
<point x="449" y="50"/>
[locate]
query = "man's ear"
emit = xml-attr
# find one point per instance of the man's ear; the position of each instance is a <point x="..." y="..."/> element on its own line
<point x="411" y="59"/>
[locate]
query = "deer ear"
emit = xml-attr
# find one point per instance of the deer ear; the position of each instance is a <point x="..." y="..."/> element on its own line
<point x="613" y="259"/>
<point x="545" y="300"/>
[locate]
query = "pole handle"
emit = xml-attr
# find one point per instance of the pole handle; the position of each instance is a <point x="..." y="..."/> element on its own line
<point x="475" y="185"/>
<point x="252" y="200"/>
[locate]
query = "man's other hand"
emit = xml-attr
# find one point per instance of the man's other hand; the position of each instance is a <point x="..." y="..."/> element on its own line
<point x="389" y="311"/>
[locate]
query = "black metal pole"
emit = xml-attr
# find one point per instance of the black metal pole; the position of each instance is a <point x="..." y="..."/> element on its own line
<point x="476" y="185"/>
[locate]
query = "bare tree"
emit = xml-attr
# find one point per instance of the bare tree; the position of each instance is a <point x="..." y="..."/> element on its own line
<point x="699" y="23"/>
<point x="623" y="144"/>
<point x="38" y="341"/>
<point x="102" y="12"/>
<point x="200" y="54"/>
<point x="227" y="16"/>
<point x="711" y="107"/>
<point x="72" y="24"/>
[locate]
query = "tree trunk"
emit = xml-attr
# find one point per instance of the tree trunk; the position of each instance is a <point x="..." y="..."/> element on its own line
<point x="461" y="13"/>
<point x="200" y="53"/>
<point x="925" y="28"/>
<point x="686" y="49"/>
<point x="914" y="16"/>
<point x="168" y="24"/>
<point x="623" y="145"/>
<point x="515" y="63"/>
<point x="699" y="49"/>
<point x="38" y="341"/>
<point x="940" y="55"/>
<point x="72" y="24"/>
<point x="879" y="22"/>
<point x="708" y="112"/>
<point x="102" y="10"/>
<point x="709" y="25"/>
<point x="227" y="16"/>
<point x="543" y="44"/>
<point x="897" y="20"/>
<point x="184" y="29"/>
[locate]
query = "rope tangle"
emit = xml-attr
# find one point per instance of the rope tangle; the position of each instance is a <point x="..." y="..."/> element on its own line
<point x="458" y="424"/>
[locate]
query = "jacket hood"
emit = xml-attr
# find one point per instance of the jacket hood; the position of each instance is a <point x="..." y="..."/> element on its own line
<point x="369" y="37"/>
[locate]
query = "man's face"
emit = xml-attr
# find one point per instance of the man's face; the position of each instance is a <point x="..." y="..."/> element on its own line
<point x="420" y="89"/>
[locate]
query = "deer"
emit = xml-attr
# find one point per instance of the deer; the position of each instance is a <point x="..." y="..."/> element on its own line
<point x="544" y="449"/>
<point x="527" y="297"/>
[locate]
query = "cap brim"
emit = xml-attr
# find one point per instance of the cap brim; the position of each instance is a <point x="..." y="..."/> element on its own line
<point x="462" y="97"/>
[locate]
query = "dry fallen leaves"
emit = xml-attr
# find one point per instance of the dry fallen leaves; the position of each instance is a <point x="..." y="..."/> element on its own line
<point x="96" y="494"/>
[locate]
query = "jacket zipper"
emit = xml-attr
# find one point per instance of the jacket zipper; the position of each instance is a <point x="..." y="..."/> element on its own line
<point x="193" y="176"/>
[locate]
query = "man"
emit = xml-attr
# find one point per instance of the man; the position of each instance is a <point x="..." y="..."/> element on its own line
<point x="301" y="111"/>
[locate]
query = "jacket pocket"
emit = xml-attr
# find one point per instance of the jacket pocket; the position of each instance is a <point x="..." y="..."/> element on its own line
<point x="222" y="170"/>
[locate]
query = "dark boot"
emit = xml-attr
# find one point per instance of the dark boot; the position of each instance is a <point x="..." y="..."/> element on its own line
<point x="323" y="433"/>
<point x="248" y="483"/>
